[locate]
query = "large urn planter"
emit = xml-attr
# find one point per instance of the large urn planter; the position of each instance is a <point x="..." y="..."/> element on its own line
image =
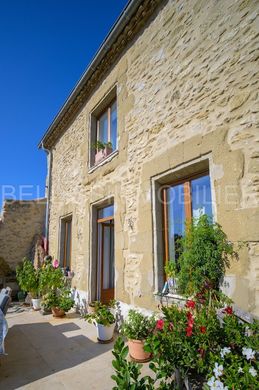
<point x="136" y="351"/>
<point x="105" y="332"/>
<point x="36" y="303"/>
<point x="57" y="312"/>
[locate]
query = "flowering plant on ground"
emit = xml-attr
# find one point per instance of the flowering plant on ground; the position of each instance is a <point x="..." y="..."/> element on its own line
<point x="102" y="315"/>
<point x="137" y="326"/>
<point x="60" y="299"/>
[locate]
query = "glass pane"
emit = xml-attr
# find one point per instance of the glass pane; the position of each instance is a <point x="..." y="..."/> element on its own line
<point x="108" y="257"/>
<point x="114" y="125"/>
<point x="106" y="212"/>
<point x="68" y="244"/>
<point x="201" y="196"/>
<point x="103" y="128"/>
<point x="176" y="218"/>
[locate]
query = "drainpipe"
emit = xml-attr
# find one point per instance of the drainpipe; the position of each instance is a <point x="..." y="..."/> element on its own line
<point x="47" y="192"/>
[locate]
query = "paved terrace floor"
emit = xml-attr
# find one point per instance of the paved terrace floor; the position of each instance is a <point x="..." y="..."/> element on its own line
<point x="48" y="353"/>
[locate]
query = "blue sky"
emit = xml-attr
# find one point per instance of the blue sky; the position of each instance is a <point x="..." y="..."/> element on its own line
<point x="45" y="45"/>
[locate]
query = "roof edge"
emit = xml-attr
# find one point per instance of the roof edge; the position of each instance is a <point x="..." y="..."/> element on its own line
<point x="142" y="9"/>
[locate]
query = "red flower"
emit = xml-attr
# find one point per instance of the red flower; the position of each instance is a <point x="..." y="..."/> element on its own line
<point x="228" y="310"/>
<point x="188" y="331"/>
<point x="203" y="329"/>
<point x="160" y="324"/>
<point x="190" y="304"/>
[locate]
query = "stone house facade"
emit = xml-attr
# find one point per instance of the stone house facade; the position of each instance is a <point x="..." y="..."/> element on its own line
<point x="174" y="88"/>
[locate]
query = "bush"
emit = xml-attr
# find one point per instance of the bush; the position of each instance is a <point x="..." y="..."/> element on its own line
<point x="204" y="256"/>
<point x="102" y="316"/>
<point x="28" y="278"/>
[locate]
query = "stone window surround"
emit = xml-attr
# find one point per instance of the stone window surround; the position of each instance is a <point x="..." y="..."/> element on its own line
<point x="61" y="219"/>
<point x="102" y="104"/>
<point x="92" y="271"/>
<point x="183" y="170"/>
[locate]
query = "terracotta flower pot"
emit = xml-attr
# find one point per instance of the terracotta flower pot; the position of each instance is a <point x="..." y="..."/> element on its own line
<point x="57" y="312"/>
<point x="136" y="351"/>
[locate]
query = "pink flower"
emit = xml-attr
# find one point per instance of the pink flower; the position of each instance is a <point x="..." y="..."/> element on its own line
<point x="55" y="263"/>
<point x="160" y="324"/>
<point x="190" y="304"/>
<point x="171" y="326"/>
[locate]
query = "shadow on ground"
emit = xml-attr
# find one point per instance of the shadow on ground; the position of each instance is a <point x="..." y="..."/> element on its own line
<point x="40" y="349"/>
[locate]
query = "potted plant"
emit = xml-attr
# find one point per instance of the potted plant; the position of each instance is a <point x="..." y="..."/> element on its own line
<point x="59" y="301"/>
<point x="29" y="281"/>
<point x="137" y="328"/>
<point x="103" y="149"/>
<point x="92" y="307"/>
<point x="104" y="320"/>
<point x="171" y="271"/>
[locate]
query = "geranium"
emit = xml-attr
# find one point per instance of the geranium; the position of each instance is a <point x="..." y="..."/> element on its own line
<point x="188" y="331"/>
<point x="160" y="324"/>
<point x="248" y="353"/>
<point x="55" y="263"/>
<point x="190" y="304"/>
<point x="228" y="310"/>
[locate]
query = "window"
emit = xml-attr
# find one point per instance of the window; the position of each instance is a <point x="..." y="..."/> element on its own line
<point x="181" y="201"/>
<point x="104" y="138"/>
<point x="65" y="242"/>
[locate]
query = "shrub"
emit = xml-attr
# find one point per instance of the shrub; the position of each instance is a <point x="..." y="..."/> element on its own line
<point x="102" y="316"/>
<point x="28" y="278"/>
<point x="204" y="256"/>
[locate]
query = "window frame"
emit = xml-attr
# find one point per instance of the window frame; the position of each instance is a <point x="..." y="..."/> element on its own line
<point x="97" y="118"/>
<point x="64" y="221"/>
<point x="186" y="181"/>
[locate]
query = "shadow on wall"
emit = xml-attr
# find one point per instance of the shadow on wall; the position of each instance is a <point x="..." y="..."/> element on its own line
<point x="38" y="350"/>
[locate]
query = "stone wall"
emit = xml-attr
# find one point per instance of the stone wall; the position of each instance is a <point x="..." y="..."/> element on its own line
<point x="187" y="90"/>
<point x="21" y="223"/>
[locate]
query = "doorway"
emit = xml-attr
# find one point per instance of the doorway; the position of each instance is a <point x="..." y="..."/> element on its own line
<point x="105" y="254"/>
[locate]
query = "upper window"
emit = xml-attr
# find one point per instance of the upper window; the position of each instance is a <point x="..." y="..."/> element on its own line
<point x="65" y="242"/>
<point x="104" y="129"/>
<point x="181" y="201"/>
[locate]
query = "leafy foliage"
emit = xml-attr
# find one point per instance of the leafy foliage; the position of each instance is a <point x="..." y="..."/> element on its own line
<point x="28" y="278"/>
<point x="127" y="372"/>
<point x="102" y="315"/>
<point x="58" y="298"/>
<point x="99" y="145"/>
<point x="204" y="256"/>
<point x="50" y="277"/>
<point x="137" y="326"/>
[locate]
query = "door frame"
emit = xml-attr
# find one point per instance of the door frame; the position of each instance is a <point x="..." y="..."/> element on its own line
<point x="104" y="294"/>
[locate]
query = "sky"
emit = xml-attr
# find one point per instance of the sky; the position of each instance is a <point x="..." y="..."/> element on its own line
<point x="45" y="46"/>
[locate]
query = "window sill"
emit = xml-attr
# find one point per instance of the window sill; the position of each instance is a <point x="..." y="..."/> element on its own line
<point x="104" y="161"/>
<point x="170" y="298"/>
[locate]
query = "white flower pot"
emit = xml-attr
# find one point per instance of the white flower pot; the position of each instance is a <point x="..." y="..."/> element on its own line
<point x="105" y="333"/>
<point x="36" y="303"/>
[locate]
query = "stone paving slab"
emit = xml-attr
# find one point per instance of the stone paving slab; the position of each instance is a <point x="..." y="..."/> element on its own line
<point x="48" y="353"/>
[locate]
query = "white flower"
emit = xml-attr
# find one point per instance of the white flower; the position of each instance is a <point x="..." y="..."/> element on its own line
<point x="218" y="370"/>
<point x="248" y="353"/>
<point x="224" y="351"/>
<point x="240" y="370"/>
<point x="216" y="384"/>
<point x="252" y="371"/>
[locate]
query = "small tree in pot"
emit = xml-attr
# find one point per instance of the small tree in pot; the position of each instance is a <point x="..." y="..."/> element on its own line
<point x="29" y="281"/>
<point x="104" y="320"/>
<point x="137" y="328"/>
<point x="59" y="301"/>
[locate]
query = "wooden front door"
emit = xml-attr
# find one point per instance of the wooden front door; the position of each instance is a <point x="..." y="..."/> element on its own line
<point x="105" y="273"/>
